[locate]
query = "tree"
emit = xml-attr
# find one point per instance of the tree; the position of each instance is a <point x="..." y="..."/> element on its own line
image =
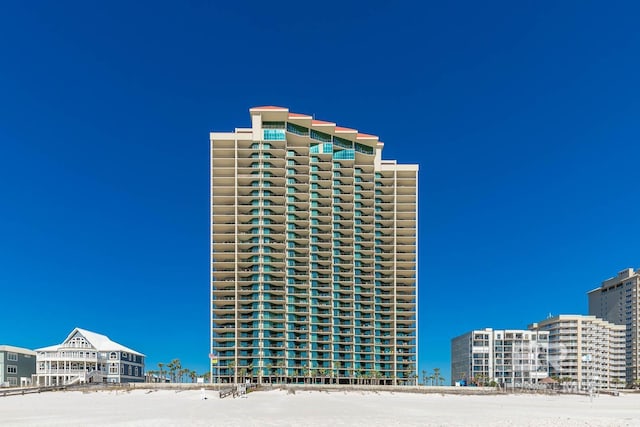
<point x="160" y="366"/>
<point x="232" y="367"/>
<point x="206" y="376"/>
<point x="377" y="375"/>
<point x="280" y="367"/>
<point x="174" y="366"/>
<point x="193" y="376"/>
<point x="424" y="377"/>
<point x="436" y="375"/>
<point x="250" y="371"/>
<point x="270" y="371"/>
<point x="177" y="368"/>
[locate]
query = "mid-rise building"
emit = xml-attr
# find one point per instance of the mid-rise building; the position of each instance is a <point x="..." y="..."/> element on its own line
<point x="17" y="365"/>
<point x="510" y="358"/>
<point x="585" y="351"/>
<point x="616" y="301"/>
<point x="313" y="254"/>
<point x="85" y="357"/>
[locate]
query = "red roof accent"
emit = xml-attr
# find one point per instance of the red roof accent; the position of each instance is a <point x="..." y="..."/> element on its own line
<point x="321" y="122"/>
<point x="268" y="107"/>
<point x="341" y="129"/>
<point x="298" y="115"/>
<point x="366" y="136"/>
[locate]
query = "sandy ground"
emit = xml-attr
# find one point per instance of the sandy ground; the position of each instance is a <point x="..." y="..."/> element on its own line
<point x="314" y="408"/>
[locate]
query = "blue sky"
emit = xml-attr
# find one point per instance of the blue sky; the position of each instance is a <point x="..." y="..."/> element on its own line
<point x="523" y="117"/>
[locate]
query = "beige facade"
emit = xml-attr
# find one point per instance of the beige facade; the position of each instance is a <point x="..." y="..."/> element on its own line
<point x="313" y="254"/>
<point x="511" y="357"/>
<point x="616" y="301"/>
<point x="585" y="351"/>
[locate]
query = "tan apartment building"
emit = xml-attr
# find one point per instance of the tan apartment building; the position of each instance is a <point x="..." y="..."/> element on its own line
<point x="616" y="301"/>
<point x="313" y="254"/>
<point x="584" y="351"/>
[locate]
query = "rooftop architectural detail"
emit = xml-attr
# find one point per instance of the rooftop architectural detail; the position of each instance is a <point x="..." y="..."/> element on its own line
<point x="313" y="254"/>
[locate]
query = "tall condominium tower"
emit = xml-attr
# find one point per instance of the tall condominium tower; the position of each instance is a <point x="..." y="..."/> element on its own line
<point x="313" y="254"/>
<point x="617" y="301"/>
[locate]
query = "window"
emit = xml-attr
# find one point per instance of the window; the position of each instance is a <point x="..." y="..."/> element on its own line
<point x="113" y="368"/>
<point x="129" y="370"/>
<point x="320" y="136"/>
<point x="272" y="125"/>
<point x="298" y="130"/>
<point x="113" y="355"/>
<point x="12" y="369"/>
<point x="12" y="357"/>
<point x="274" y="135"/>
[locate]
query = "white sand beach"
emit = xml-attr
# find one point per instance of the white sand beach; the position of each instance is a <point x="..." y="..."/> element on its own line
<point x="314" y="408"/>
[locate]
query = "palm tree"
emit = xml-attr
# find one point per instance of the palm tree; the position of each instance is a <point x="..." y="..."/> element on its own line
<point x="184" y="373"/>
<point x="424" y="377"/>
<point x="160" y="366"/>
<point x="323" y="375"/>
<point x="270" y="371"/>
<point x="206" y="376"/>
<point x="175" y="366"/>
<point x="436" y="375"/>
<point x="192" y="375"/>
<point x="232" y="367"/>
<point x="280" y="367"/>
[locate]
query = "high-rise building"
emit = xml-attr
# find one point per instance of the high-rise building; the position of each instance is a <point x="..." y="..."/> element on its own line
<point x="616" y="301"/>
<point x="313" y="254"/>
<point x="510" y="358"/>
<point x="585" y="351"/>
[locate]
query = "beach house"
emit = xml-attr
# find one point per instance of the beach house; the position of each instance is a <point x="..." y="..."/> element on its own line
<point x="86" y="357"/>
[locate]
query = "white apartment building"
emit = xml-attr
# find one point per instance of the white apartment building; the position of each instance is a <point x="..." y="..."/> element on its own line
<point x="510" y="357"/>
<point x="616" y="301"/>
<point x="86" y="356"/>
<point x="313" y="254"/>
<point x="585" y="351"/>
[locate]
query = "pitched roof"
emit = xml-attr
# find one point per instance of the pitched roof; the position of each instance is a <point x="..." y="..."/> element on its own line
<point x="17" y="349"/>
<point x="366" y="136"/>
<point x="341" y="129"/>
<point x="98" y="341"/>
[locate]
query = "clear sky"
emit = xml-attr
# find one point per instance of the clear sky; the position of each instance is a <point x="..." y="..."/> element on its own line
<point x="523" y="117"/>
